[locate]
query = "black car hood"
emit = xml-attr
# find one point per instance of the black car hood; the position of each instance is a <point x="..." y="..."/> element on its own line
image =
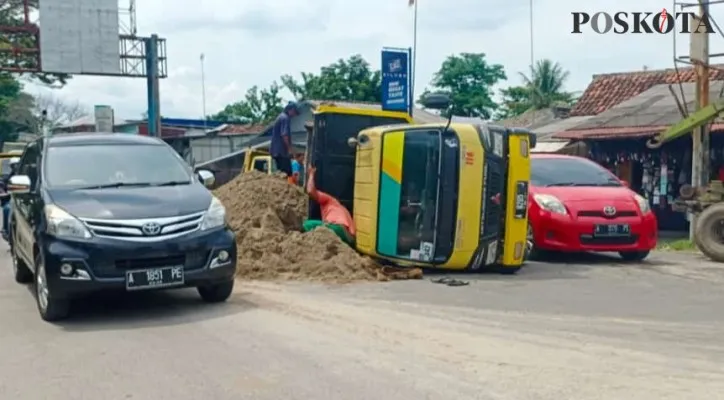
<point x="133" y="203"/>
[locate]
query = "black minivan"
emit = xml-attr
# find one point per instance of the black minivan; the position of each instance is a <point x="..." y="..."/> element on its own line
<point x="95" y="212"/>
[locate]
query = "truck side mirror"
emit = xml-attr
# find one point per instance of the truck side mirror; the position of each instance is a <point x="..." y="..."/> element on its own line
<point x="436" y="101"/>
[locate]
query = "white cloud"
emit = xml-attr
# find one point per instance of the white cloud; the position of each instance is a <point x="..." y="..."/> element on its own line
<point x="250" y="43"/>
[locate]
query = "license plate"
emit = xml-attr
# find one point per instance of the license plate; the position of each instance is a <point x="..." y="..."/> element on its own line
<point x="612" y="230"/>
<point x="521" y="199"/>
<point x="154" y="278"/>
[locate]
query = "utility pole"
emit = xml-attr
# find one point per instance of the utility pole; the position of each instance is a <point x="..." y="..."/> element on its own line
<point x="699" y="53"/>
<point x="202" y="58"/>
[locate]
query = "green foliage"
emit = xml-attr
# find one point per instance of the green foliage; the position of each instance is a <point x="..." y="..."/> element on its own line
<point x="11" y="14"/>
<point x="676" y="245"/>
<point x="345" y="80"/>
<point x="542" y="88"/>
<point x="516" y="101"/>
<point x="9" y="92"/>
<point x="257" y="107"/>
<point x="469" y="79"/>
<point x="546" y="81"/>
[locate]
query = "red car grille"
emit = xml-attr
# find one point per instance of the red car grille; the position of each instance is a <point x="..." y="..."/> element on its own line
<point x="600" y="214"/>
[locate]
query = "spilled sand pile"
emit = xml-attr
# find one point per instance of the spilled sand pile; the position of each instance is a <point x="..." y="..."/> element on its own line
<point x="267" y="214"/>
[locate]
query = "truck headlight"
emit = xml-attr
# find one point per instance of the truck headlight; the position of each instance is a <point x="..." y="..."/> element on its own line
<point x="550" y="203"/>
<point x="215" y="216"/>
<point x="63" y="225"/>
<point x="644" y="205"/>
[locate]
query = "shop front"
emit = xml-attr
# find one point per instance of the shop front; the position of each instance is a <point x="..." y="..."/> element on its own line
<point x="656" y="174"/>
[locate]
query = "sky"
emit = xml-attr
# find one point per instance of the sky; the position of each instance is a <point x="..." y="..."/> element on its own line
<point x="251" y="42"/>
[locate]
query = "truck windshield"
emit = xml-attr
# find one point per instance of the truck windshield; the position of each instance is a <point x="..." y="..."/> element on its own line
<point x="418" y="200"/>
<point x="103" y="165"/>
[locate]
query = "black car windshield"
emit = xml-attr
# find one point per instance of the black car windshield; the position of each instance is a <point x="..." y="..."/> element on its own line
<point x="569" y="172"/>
<point x="91" y="166"/>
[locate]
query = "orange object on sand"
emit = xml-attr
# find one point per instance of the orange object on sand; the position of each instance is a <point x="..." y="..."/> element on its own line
<point x="333" y="212"/>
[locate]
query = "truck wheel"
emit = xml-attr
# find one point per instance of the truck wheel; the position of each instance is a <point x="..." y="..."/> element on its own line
<point x="634" y="255"/>
<point x="218" y="293"/>
<point x="709" y="233"/>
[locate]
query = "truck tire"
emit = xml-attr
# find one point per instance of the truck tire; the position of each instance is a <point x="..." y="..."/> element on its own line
<point x="709" y="233"/>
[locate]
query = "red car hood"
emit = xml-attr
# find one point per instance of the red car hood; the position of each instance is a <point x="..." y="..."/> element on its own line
<point x="588" y="194"/>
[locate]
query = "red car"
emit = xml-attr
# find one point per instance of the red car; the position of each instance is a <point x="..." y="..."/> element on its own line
<point x="577" y="205"/>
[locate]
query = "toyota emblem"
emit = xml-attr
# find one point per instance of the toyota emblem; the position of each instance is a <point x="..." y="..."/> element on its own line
<point x="609" y="211"/>
<point x="151" y="228"/>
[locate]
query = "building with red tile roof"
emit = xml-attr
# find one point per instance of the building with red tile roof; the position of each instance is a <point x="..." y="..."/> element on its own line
<point x="608" y="90"/>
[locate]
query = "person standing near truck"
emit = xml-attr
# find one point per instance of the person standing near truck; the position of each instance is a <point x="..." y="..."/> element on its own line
<point x="281" y="140"/>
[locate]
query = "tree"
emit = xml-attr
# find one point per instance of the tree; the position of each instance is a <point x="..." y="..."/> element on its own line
<point x="10" y="90"/>
<point x="469" y="79"/>
<point x="257" y="107"/>
<point x="516" y="101"/>
<point x="345" y="80"/>
<point x="27" y="113"/>
<point x="58" y="111"/>
<point x="12" y="14"/>
<point x="545" y="83"/>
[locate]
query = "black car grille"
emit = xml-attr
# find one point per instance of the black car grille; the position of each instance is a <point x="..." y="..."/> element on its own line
<point x="494" y="199"/>
<point x="191" y="261"/>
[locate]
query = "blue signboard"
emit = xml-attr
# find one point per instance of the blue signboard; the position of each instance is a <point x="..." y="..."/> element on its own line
<point x="396" y="80"/>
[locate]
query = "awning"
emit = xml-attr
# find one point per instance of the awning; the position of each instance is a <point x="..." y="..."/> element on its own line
<point x="629" y="132"/>
<point x="549" y="147"/>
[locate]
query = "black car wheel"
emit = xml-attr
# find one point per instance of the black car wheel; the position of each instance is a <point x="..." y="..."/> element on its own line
<point x="217" y="293"/>
<point x="50" y="307"/>
<point x="20" y="270"/>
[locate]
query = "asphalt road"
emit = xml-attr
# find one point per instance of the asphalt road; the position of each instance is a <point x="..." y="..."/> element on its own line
<point x="591" y="328"/>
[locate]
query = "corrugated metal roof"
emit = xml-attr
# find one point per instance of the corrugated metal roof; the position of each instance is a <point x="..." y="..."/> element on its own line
<point x="530" y="119"/>
<point x="549" y="147"/>
<point x="647" y="114"/>
<point x="654" y="107"/>
<point x="89" y="120"/>
<point x="468" y="120"/>
<point x="558" y="126"/>
<point x="620" y="132"/>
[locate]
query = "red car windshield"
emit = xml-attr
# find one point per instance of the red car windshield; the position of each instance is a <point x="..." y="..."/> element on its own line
<point x="569" y="172"/>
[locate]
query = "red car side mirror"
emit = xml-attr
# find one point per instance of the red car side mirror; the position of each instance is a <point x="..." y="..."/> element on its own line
<point x="625" y="183"/>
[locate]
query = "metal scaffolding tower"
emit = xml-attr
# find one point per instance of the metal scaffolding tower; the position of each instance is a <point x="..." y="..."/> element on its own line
<point x="140" y="57"/>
